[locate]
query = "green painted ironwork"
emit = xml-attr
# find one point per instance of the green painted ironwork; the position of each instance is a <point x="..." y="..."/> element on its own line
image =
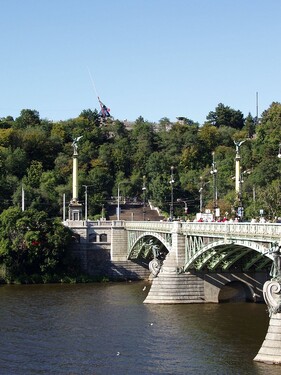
<point x="209" y="246"/>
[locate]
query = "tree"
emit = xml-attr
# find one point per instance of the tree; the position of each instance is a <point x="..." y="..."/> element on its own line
<point x="268" y="133"/>
<point x="269" y="199"/>
<point x="165" y="124"/>
<point x="16" y="161"/>
<point x="6" y="136"/>
<point x="250" y="126"/>
<point x="32" y="244"/>
<point x="143" y="142"/>
<point x="28" y="117"/>
<point x="226" y="116"/>
<point x="34" y="173"/>
<point x="6" y="122"/>
<point x="91" y="116"/>
<point x="209" y="135"/>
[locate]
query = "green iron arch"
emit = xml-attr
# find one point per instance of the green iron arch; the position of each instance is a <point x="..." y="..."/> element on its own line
<point x="142" y="247"/>
<point x="224" y="254"/>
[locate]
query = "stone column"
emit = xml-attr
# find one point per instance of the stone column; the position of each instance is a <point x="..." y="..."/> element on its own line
<point x="175" y="258"/>
<point x="75" y="208"/>
<point x="237" y="173"/>
<point x="237" y="166"/>
<point x="75" y="177"/>
<point x="119" y="241"/>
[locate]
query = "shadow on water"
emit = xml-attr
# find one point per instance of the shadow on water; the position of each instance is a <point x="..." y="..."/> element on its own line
<point x="236" y="291"/>
<point x="100" y="329"/>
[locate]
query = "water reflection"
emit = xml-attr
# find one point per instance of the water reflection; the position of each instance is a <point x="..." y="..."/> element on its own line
<point x="106" y="329"/>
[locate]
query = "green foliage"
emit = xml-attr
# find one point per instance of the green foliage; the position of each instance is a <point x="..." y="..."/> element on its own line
<point x="32" y="244"/>
<point x="28" y="117"/>
<point x="226" y="116"/>
<point x="37" y="154"/>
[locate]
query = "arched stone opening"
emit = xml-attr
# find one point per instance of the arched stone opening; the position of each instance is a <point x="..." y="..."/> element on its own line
<point x="92" y="237"/>
<point x="236" y="291"/>
<point x="103" y="237"/>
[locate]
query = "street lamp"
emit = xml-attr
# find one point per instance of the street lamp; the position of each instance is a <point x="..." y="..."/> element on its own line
<point x="144" y="193"/>
<point x="201" y="189"/>
<point x="240" y="209"/>
<point x="214" y="172"/>
<point x="86" y="200"/>
<point x="118" y="198"/>
<point x="201" y="199"/>
<point x="172" y="181"/>
<point x="185" y="204"/>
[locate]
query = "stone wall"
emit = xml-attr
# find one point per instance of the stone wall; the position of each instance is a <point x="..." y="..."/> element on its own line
<point x="95" y="260"/>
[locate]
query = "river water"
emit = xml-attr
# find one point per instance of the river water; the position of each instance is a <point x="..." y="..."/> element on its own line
<point x="100" y="329"/>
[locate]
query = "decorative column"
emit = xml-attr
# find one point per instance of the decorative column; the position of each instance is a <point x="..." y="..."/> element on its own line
<point x="75" y="176"/>
<point x="270" y="351"/>
<point x="238" y="180"/>
<point x="75" y="208"/>
<point x="237" y="166"/>
<point x="214" y="172"/>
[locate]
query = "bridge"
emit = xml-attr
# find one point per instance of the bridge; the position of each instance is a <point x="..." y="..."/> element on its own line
<point x="189" y="261"/>
<point x="199" y="245"/>
<point x="192" y="262"/>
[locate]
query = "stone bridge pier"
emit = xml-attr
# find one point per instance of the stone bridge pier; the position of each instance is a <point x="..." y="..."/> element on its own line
<point x="172" y="285"/>
<point x="175" y="259"/>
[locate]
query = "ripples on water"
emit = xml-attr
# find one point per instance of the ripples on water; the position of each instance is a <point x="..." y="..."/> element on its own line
<point x="105" y="329"/>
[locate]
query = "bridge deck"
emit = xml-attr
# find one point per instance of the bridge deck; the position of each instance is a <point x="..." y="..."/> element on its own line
<point x="257" y="231"/>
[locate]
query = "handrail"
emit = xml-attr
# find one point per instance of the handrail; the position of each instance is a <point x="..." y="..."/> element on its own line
<point x="252" y="230"/>
<point x="258" y="231"/>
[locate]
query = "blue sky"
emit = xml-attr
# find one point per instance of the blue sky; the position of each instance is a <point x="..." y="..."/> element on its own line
<point x="150" y="58"/>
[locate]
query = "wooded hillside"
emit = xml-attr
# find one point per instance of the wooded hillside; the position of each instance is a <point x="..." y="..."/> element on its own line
<point x="37" y="154"/>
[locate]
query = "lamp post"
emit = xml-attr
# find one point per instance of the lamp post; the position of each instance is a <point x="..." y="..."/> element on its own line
<point x="144" y="196"/>
<point x="201" y="189"/>
<point x="201" y="194"/>
<point x="118" y="198"/>
<point x="185" y="204"/>
<point x="86" y="200"/>
<point x="214" y="172"/>
<point x="172" y="181"/>
<point x="201" y="199"/>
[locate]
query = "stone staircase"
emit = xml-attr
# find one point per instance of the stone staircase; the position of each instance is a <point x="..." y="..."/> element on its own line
<point x="134" y="212"/>
<point x="174" y="288"/>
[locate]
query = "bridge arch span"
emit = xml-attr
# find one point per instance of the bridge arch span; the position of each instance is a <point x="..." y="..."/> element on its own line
<point x="224" y="254"/>
<point x="140" y="245"/>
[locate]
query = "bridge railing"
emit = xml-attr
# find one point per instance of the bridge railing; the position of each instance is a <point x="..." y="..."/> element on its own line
<point x="258" y="231"/>
<point x="155" y="226"/>
<point x="255" y="230"/>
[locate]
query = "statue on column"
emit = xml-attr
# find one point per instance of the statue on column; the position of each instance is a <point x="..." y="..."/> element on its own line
<point x="238" y="145"/>
<point x="74" y="144"/>
<point x="272" y="288"/>
<point x="275" y="271"/>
